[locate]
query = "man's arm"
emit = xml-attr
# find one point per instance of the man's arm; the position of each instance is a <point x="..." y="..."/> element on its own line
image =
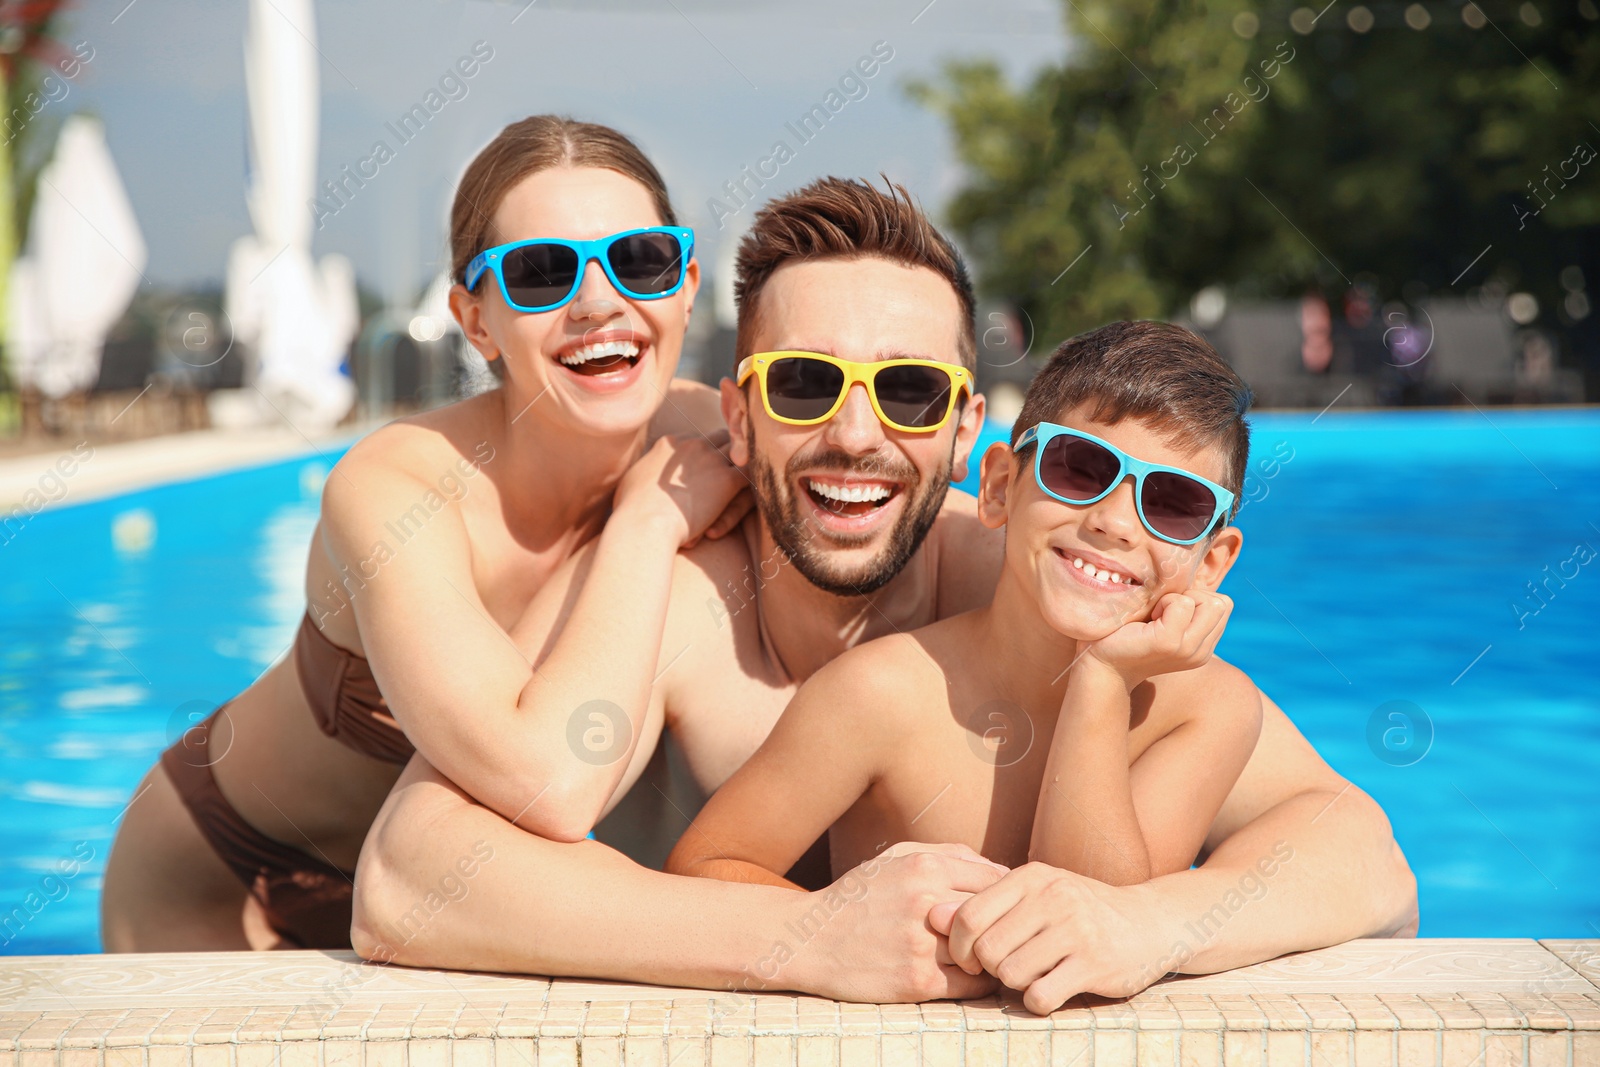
<point x="1299" y="859"/>
<point x="530" y="905"/>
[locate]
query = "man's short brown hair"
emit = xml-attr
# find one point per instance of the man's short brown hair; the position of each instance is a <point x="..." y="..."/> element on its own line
<point x="840" y="218"/>
<point x="1153" y="371"/>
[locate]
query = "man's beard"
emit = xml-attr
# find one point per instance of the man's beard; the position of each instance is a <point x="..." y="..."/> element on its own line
<point x="796" y="537"/>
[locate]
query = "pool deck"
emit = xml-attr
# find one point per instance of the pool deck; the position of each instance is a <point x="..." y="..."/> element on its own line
<point x="1400" y="1003"/>
<point x="59" y="476"/>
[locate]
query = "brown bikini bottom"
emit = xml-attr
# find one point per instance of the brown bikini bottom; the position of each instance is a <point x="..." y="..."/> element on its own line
<point x="306" y="899"/>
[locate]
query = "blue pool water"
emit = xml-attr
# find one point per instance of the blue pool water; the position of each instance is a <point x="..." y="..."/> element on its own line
<point x="1384" y="556"/>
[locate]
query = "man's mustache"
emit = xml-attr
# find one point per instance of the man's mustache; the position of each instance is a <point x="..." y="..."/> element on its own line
<point x="867" y="466"/>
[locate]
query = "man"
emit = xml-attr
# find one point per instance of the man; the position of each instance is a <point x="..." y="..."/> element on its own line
<point x="854" y="538"/>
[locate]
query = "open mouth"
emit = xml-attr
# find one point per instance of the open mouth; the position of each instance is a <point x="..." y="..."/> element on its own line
<point x="1102" y="575"/>
<point x="605" y="357"/>
<point x="850" y="499"/>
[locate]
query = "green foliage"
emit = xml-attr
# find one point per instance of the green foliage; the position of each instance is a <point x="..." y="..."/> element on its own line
<point x="1182" y="153"/>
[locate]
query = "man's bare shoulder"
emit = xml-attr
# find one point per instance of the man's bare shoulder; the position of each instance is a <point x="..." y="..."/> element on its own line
<point x="969" y="555"/>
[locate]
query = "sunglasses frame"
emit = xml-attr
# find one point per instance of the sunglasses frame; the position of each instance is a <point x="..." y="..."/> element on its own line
<point x="866" y="373"/>
<point x="1045" y="432"/>
<point x="493" y="260"/>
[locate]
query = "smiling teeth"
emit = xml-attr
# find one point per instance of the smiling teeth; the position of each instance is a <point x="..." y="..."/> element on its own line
<point x="1104" y="575"/>
<point x="854" y="494"/>
<point x="602" y="350"/>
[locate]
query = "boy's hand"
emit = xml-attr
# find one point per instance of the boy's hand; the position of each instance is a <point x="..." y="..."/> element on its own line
<point x="688" y="483"/>
<point x="1054" y="934"/>
<point x="1181" y="635"/>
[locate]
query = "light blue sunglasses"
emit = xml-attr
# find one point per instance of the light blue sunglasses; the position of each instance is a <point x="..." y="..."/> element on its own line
<point x="1079" y="468"/>
<point x="544" y="274"/>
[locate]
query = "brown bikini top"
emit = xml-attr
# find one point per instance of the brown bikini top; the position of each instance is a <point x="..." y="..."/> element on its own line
<point x="344" y="697"/>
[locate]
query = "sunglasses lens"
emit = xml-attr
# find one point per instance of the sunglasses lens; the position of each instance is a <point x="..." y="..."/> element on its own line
<point x="803" y="389"/>
<point x="1075" y="469"/>
<point x="538" y="276"/>
<point x="916" y="397"/>
<point x="1177" y="507"/>
<point x="646" y="263"/>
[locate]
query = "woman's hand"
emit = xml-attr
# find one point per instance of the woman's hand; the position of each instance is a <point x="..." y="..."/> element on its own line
<point x="688" y="484"/>
<point x="1181" y="635"/>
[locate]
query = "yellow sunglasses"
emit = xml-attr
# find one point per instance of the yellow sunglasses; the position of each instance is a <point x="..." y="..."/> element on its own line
<point x="805" y="388"/>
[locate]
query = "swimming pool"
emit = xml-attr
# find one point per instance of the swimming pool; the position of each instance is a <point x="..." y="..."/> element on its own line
<point x="1377" y="601"/>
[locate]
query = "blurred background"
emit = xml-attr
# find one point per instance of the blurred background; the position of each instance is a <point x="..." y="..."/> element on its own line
<point x="224" y="219"/>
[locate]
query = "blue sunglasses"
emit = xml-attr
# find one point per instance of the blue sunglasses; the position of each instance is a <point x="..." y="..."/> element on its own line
<point x="1079" y="468"/>
<point x="544" y="274"/>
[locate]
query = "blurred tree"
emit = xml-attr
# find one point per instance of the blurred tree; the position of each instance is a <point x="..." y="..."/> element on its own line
<point x="26" y="45"/>
<point x="1275" y="150"/>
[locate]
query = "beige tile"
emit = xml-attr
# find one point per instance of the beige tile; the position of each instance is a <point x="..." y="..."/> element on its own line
<point x="728" y="1050"/>
<point x="563" y="1052"/>
<point x="940" y="1048"/>
<point x="605" y="1020"/>
<point x="47" y="1057"/>
<point x="1332" y="1048"/>
<point x="256" y="1054"/>
<point x="469" y="1052"/>
<point x="78" y="1057"/>
<point x="1071" y="1048"/>
<point x="646" y="1050"/>
<point x="382" y="1054"/>
<point x="428" y="1052"/>
<point x="1581" y="956"/>
<point x="1586" y="1048"/>
<point x="1325" y="1011"/>
<point x="1548" y="1050"/>
<point x="513" y="1052"/>
<point x="212" y="1056"/>
<point x="299" y="1054"/>
<point x="1461" y="1048"/>
<point x="812" y="1050"/>
<point x="341" y="1053"/>
<point x="601" y="1051"/>
<point x="1200" y="1048"/>
<point x="1115" y="1048"/>
<point x="1157" y="1048"/>
<point x="858" y="1050"/>
<point x="1028" y="1048"/>
<point x="1244" y="1048"/>
<point x="1417" y="1048"/>
<point x="986" y="1048"/>
<point x="1498" y="1013"/>
<point x="1504" y="1050"/>
<point x="1411" y="1011"/>
<point x="770" y="1050"/>
<point x="1542" y="1012"/>
<point x="1455" y="1014"/>
<point x="899" y="1050"/>
<point x="1240" y="1012"/>
<point x="1373" y="1048"/>
<point x="126" y="1057"/>
<point x="1287" y="1048"/>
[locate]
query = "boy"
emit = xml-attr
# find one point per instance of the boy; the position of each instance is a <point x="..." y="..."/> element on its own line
<point x="1080" y="720"/>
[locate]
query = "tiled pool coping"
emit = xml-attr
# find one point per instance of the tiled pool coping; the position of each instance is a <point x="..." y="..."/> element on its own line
<point x="1443" y="1001"/>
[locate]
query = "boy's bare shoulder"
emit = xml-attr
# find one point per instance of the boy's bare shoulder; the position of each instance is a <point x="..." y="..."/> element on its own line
<point x="893" y="677"/>
<point x="1216" y="690"/>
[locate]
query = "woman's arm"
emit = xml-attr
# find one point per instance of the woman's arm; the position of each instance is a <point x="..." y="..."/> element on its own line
<point x="536" y="906"/>
<point x="513" y="728"/>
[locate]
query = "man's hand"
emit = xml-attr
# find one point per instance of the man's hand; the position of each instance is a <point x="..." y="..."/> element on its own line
<point x="867" y="937"/>
<point x="1053" y="934"/>
<point x="1181" y="635"/>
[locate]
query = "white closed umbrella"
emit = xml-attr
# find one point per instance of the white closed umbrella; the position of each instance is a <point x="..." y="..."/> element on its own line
<point x="84" y="260"/>
<point x="299" y="314"/>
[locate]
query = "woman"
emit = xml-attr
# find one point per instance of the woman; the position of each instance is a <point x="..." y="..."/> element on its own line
<point x="575" y="282"/>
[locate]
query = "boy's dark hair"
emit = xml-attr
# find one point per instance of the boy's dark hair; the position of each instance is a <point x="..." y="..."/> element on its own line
<point x="839" y="218"/>
<point x="1148" y="370"/>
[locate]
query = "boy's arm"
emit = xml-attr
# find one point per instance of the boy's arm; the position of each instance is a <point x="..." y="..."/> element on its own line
<point x="1118" y="824"/>
<point x="1298" y="858"/>
<point x="818" y="760"/>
